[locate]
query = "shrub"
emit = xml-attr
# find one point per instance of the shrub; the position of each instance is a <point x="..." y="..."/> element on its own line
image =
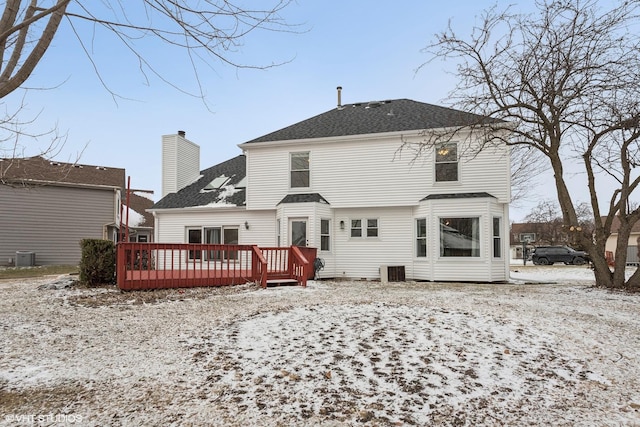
<point x="98" y="262"/>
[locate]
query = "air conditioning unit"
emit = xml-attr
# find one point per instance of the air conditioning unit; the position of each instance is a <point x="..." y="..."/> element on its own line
<point x="25" y="259"/>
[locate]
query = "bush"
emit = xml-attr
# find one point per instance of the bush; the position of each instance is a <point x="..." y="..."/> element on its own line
<point x="98" y="262"/>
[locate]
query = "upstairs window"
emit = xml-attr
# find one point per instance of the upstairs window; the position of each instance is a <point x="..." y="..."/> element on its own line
<point x="300" y="173"/>
<point x="447" y="162"/>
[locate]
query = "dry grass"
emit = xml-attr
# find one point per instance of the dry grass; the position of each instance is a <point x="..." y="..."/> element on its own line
<point x="39" y="271"/>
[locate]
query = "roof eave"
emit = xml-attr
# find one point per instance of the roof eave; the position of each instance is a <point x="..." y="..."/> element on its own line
<point x="196" y="208"/>
<point x="43" y="183"/>
<point x="329" y="139"/>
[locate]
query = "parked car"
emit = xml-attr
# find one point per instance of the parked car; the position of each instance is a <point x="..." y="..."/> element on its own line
<point x="547" y="255"/>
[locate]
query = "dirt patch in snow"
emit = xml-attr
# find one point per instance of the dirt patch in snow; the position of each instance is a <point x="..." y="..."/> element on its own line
<point x="335" y="353"/>
<point x="110" y="295"/>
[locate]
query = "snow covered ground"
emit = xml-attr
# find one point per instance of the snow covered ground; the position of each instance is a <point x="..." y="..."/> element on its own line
<point x="546" y="349"/>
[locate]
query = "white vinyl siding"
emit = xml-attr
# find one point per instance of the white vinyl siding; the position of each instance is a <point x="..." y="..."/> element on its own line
<point x="180" y="163"/>
<point x="170" y="226"/>
<point x="358" y="172"/>
<point x="361" y="257"/>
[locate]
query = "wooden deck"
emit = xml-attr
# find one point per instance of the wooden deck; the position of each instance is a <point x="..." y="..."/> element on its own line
<point x="159" y="265"/>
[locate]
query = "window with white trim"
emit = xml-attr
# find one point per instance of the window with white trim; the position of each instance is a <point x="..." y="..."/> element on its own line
<point x="497" y="237"/>
<point x="213" y="235"/>
<point x="421" y="237"/>
<point x="194" y="235"/>
<point x="325" y="235"/>
<point x="372" y="228"/>
<point x="460" y="237"/>
<point x="447" y="162"/>
<point x="368" y="227"/>
<point x="356" y="228"/>
<point x="300" y="170"/>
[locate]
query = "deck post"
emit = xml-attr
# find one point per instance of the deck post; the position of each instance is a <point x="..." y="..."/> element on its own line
<point x="121" y="268"/>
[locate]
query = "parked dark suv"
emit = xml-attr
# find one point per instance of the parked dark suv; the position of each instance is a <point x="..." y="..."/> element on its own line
<point x="547" y="255"/>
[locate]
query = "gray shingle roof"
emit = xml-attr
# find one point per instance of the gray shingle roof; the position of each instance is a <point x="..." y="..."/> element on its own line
<point x="375" y="117"/>
<point x="304" y="198"/>
<point x="193" y="194"/>
<point x="457" y="196"/>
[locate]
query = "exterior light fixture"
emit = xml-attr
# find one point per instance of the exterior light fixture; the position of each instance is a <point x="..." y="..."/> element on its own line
<point x="246" y="225"/>
<point x="341" y="225"/>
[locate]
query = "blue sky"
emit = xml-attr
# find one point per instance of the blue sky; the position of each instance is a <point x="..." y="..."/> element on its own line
<point x="371" y="49"/>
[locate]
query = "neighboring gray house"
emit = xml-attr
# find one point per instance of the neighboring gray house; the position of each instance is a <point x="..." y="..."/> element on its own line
<point x="336" y="182"/>
<point x="48" y="207"/>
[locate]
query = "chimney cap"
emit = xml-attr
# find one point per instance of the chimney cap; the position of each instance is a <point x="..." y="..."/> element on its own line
<point x="182" y="133"/>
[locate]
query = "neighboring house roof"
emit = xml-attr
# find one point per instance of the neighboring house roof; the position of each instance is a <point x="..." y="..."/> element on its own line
<point x="518" y="228"/>
<point x="615" y="225"/>
<point x="375" y="117"/>
<point x="221" y="185"/>
<point x="38" y="170"/>
<point x="304" y="198"/>
<point x="140" y="204"/>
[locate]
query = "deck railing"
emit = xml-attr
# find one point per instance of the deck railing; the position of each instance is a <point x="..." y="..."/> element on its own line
<point x="293" y="262"/>
<point x="176" y="265"/>
<point x="172" y="265"/>
<point x="300" y="267"/>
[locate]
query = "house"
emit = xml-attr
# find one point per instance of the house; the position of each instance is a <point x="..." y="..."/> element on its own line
<point x="140" y="221"/>
<point x="48" y="207"/>
<point x="632" y="243"/>
<point x="339" y="183"/>
<point x="532" y="234"/>
<point x="523" y="235"/>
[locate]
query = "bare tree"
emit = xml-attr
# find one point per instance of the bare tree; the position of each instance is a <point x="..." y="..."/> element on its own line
<point x="524" y="164"/>
<point x="545" y="219"/>
<point x="562" y="81"/>
<point x="206" y="30"/>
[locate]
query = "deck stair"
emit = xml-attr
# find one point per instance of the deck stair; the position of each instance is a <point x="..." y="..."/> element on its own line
<point x="281" y="282"/>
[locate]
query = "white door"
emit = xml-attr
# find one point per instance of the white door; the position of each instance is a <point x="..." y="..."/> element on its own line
<point x="298" y="233"/>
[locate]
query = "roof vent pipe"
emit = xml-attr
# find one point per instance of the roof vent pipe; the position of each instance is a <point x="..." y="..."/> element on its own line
<point x="339" y="96"/>
<point x="181" y="133"/>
